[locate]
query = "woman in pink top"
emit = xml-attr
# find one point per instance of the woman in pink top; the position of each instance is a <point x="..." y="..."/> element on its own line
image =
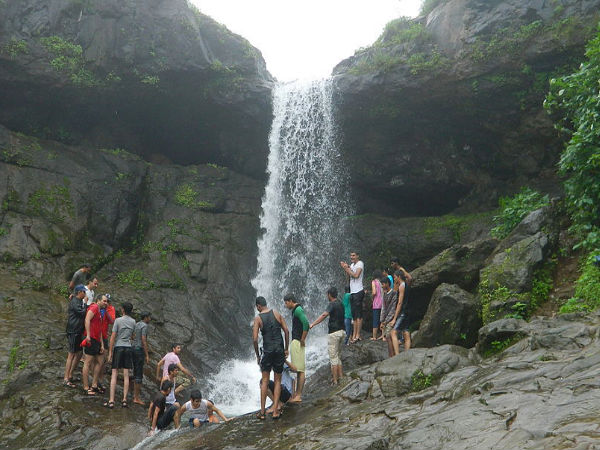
<point x="377" y="294"/>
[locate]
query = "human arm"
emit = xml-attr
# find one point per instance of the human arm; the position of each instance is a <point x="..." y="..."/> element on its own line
<point x="145" y="347"/>
<point x="88" y="319"/>
<point x="292" y="367"/>
<point x="178" y="415"/>
<point x="187" y="372"/>
<point x="212" y="407"/>
<point x="154" y="420"/>
<point x="299" y="313"/>
<point x="158" y="368"/>
<point x="399" y="304"/>
<point x="320" y="319"/>
<point x="255" y="328"/>
<point x="111" y="346"/>
<point x="286" y="331"/>
<point x="353" y="273"/>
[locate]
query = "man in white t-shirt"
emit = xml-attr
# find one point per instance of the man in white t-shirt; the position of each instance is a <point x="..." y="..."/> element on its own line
<point x="357" y="293"/>
<point x="89" y="290"/>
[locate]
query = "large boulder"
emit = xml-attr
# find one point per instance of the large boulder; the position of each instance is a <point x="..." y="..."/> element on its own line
<point x="459" y="264"/>
<point x="446" y="110"/>
<point x="157" y="78"/>
<point x="452" y="318"/>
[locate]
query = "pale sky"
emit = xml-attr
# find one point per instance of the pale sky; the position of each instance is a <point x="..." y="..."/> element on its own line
<point x="306" y="39"/>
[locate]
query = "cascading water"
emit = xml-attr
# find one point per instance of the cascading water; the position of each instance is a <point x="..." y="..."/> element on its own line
<point x="304" y="206"/>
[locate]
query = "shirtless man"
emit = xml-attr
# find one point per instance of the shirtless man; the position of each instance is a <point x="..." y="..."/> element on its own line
<point x="270" y="323"/>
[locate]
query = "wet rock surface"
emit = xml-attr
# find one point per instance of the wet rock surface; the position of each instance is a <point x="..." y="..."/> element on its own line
<point x="524" y="397"/>
<point x="157" y="78"/>
<point x="177" y="241"/>
<point x="445" y="111"/>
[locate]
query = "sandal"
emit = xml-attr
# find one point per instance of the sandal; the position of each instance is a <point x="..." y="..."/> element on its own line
<point x="276" y="417"/>
<point x="109" y="405"/>
<point x="98" y="389"/>
<point x="69" y="383"/>
<point x="124" y="404"/>
<point x="90" y="392"/>
<point x="260" y="415"/>
<point x="101" y="388"/>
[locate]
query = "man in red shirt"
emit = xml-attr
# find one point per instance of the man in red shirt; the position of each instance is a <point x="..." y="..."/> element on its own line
<point x="93" y="345"/>
<point x="108" y="317"/>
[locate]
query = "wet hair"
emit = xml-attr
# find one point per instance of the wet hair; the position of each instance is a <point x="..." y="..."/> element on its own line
<point x="332" y="291"/>
<point x="196" y="394"/>
<point x="400" y="274"/>
<point x="394" y="259"/>
<point x="145" y="314"/>
<point x="166" y="385"/>
<point x="176" y="344"/>
<point x="127" y="307"/>
<point x="86" y="265"/>
<point x="385" y="280"/>
<point x="172" y="367"/>
<point x="289" y="297"/>
<point x="377" y="273"/>
<point x="261" y="301"/>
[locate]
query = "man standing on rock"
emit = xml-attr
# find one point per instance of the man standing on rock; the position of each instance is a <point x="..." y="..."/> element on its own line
<point x="94" y="346"/>
<point x="335" y="337"/>
<point x="80" y="277"/>
<point x="75" y="326"/>
<point x="140" y="354"/>
<point x="270" y="323"/>
<point x="357" y="293"/>
<point x="395" y="264"/>
<point x="89" y="290"/>
<point x="388" y="310"/>
<point x="300" y="327"/>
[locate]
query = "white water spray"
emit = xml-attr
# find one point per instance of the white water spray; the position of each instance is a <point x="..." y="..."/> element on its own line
<point x="303" y="210"/>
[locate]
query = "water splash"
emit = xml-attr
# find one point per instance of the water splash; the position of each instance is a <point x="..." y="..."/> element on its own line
<point x="303" y="210"/>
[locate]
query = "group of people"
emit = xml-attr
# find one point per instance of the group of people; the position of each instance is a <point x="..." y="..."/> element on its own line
<point x="89" y="317"/>
<point x="391" y="316"/>
<point x="88" y="321"/>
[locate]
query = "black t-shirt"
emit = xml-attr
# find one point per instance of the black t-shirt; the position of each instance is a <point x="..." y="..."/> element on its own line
<point x="336" y="316"/>
<point x="159" y="401"/>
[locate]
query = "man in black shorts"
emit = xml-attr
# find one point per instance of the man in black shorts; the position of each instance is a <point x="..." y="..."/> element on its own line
<point x="270" y="323"/>
<point x="75" y="326"/>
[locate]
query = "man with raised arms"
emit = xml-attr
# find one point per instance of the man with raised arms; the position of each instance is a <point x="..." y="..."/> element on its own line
<point x="270" y="323"/>
<point x="357" y="294"/>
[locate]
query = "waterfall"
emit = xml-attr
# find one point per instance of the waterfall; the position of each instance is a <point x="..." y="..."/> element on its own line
<point x="303" y="210"/>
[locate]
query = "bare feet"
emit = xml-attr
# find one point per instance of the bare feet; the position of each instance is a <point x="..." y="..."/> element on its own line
<point x="138" y="402"/>
<point x="295" y="400"/>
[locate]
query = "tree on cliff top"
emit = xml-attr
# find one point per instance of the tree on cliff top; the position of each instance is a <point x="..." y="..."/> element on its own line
<point x="576" y="99"/>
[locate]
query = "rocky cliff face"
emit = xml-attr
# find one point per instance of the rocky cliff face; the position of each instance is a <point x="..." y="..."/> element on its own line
<point x="157" y="78"/>
<point x="446" y="109"/>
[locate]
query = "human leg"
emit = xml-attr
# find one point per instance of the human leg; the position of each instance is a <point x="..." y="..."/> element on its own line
<point x="348" y="327"/>
<point x="276" y="395"/>
<point x="395" y="344"/>
<point x="376" y="322"/>
<point x="125" y="385"/>
<point x="113" y="384"/>
<point x="264" y="385"/>
<point x="138" y="374"/>
<point x="407" y="341"/>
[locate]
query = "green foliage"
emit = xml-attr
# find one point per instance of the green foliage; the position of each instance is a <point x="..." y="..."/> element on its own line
<point x="186" y="195"/>
<point x="53" y="203"/>
<point x="14" y="359"/>
<point x="427" y="62"/>
<point x="499" y="346"/>
<point x="576" y="98"/>
<point x="121" y="153"/>
<point x="14" y="48"/>
<point x="519" y="311"/>
<point x="508" y="40"/>
<point x="150" y="80"/>
<point x="587" y="288"/>
<point x="3" y="231"/>
<point x="68" y="58"/>
<point x="514" y="209"/>
<point x="489" y="295"/>
<point x="402" y="30"/>
<point x="420" y="381"/>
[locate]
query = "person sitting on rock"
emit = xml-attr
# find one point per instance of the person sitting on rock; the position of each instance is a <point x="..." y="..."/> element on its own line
<point x="287" y="387"/>
<point x="172" y="373"/>
<point x="159" y="415"/>
<point x="201" y="410"/>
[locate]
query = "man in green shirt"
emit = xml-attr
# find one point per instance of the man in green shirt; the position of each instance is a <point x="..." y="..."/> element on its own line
<point x="300" y="327"/>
